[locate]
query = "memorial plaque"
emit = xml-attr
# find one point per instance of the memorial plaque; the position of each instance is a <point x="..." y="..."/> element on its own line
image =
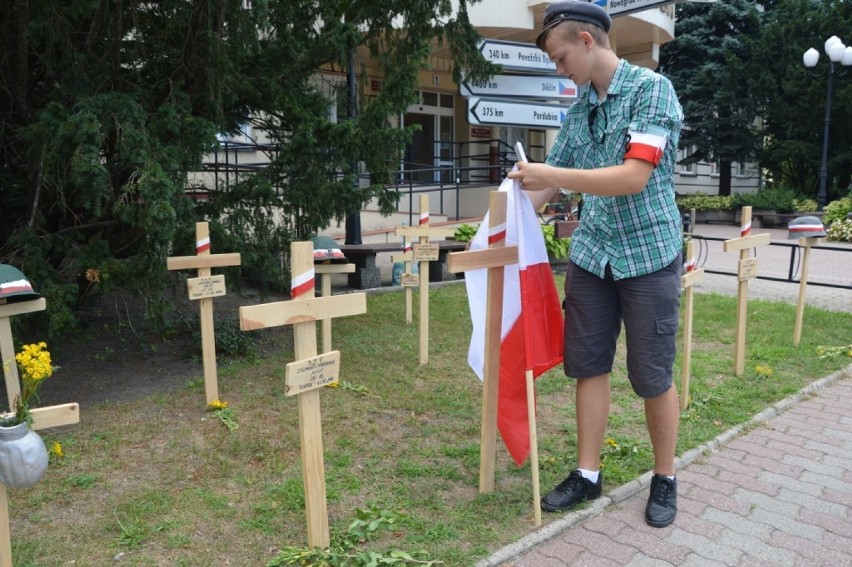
<point x="747" y="269"/>
<point x="311" y="373"/>
<point x="425" y="252"/>
<point x="207" y="286"/>
<point x="410" y="280"/>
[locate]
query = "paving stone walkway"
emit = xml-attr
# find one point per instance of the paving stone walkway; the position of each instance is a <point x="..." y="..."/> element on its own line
<point x="776" y="491"/>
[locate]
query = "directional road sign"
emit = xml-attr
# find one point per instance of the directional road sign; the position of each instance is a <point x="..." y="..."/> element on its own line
<point x="510" y="112"/>
<point x="517" y="56"/>
<point x="547" y="87"/>
<point x="624" y="7"/>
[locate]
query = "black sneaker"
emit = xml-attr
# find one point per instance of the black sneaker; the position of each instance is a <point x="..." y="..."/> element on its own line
<point x="662" y="502"/>
<point x="570" y="491"/>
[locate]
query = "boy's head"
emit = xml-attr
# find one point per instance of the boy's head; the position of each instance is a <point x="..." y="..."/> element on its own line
<point x="570" y="18"/>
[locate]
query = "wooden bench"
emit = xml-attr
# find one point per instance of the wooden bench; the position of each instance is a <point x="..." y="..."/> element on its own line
<point x="367" y="275"/>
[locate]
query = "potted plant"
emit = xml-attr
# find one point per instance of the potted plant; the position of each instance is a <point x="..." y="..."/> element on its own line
<point x="23" y="456"/>
<point x="557" y="248"/>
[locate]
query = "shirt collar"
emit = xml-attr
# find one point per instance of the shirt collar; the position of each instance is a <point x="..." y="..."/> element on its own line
<point x="616" y="86"/>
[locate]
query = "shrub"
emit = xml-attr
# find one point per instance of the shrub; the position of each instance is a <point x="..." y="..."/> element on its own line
<point x="778" y="199"/>
<point x="804" y="205"/>
<point x="837" y="210"/>
<point x="840" y="231"/>
<point x="704" y="203"/>
<point x="465" y="232"/>
<point x="556" y="247"/>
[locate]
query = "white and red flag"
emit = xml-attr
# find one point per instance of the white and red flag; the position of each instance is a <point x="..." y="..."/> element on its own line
<point x="532" y="326"/>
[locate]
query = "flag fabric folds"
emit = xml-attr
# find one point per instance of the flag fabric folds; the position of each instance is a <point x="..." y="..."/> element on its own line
<point x="532" y="326"/>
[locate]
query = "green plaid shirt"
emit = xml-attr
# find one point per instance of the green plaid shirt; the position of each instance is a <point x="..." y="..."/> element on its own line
<point x="634" y="234"/>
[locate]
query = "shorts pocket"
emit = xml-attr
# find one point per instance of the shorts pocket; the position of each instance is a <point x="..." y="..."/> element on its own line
<point x="667" y="325"/>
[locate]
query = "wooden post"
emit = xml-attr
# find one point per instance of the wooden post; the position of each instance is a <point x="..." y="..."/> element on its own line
<point x="689" y="279"/>
<point x="747" y="269"/>
<point x="204" y="288"/>
<point x="43" y="418"/>
<point x="494" y="259"/>
<point x="805" y="244"/>
<point x="325" y="272"/>
<point x="407" y="280"/>
<point x="530" y="381"/>
<point x="309" y="372"/>
<point x="424" y="252"/>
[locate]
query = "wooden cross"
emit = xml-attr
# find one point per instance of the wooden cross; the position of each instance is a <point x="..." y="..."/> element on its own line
<point x="407" y="280"/>
<point x="424" y="252"/>
<point x="746" y="270"/>
<point x="687" y="280"/>
<point x="495" y="258"/>
<point x="806" y="244"/>
<point x="204" y="288"/>
<point x="309" y="372"/>
<point x="325" y="272"/>
<point x="43" y="418"/>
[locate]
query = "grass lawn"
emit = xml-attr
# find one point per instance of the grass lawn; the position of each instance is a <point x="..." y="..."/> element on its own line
<point x="163" y="481"/>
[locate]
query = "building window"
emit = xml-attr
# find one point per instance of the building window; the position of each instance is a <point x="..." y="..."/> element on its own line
<point x="685" y="168"/>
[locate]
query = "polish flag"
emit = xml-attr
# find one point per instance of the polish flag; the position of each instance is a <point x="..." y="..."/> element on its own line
<point x="532" y="326"/>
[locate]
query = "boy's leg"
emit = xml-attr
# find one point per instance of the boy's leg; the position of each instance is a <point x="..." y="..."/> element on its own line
<point x="592" y="407"/>
<point x="662" y="415"/>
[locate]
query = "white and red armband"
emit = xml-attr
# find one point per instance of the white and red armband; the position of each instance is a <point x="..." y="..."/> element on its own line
<point x="646" y="146"/>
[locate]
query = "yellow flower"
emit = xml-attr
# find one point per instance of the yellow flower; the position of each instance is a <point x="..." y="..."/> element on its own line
<point x="35" y="366"/>
<point x="764" y="371"/>
<point x="611" y="442"/>
<point x="56" y="450"/>
<point x="217" y="405"/>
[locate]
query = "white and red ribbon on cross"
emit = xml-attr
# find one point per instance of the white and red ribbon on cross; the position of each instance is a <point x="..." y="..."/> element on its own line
<point x="302" y="283"/>
<point x="745" y="230"/>
<point x="424" y="218"/>
<point x="202" y="245"/>
<point x="496" y="233"/>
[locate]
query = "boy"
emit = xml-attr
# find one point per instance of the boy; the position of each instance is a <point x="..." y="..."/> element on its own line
<point x="618" y="146"/>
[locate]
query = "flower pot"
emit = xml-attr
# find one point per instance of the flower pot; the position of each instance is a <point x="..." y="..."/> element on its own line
<point x="23" y="456"/>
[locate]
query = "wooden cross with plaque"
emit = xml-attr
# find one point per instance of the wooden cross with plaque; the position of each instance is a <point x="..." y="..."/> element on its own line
<point x="203" y="289"/>
<point x="424" y="252"/>
<point x="495" y="258"/>
<point x="43" y="418"/>
<point x="309" y="372"/>
<point x="687" y="280"/>
<point x="746" y="270"/>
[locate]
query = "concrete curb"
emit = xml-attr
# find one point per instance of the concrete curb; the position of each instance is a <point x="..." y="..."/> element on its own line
<point x="625" y="491"/>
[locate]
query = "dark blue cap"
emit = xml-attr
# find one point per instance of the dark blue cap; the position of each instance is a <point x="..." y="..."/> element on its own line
<point x="578" y="10"/>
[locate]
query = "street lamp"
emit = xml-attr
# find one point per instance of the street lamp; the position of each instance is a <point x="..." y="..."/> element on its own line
<point x="837" y="53"/>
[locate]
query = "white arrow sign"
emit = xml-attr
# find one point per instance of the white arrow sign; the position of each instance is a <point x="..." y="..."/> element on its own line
<point x="517" y="56"/>
<point x="527" y="86"/>
<point x="510" y="112"/>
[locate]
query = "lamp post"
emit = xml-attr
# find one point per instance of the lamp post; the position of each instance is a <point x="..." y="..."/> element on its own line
<point x="837" y="53"/>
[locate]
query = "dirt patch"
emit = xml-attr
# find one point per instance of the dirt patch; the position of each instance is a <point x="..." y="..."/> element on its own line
<point x="118" y="356"/>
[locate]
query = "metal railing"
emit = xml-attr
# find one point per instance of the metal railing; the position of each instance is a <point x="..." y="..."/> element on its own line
<point x="230" y="162"/>
<point x="793" y="265"/>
